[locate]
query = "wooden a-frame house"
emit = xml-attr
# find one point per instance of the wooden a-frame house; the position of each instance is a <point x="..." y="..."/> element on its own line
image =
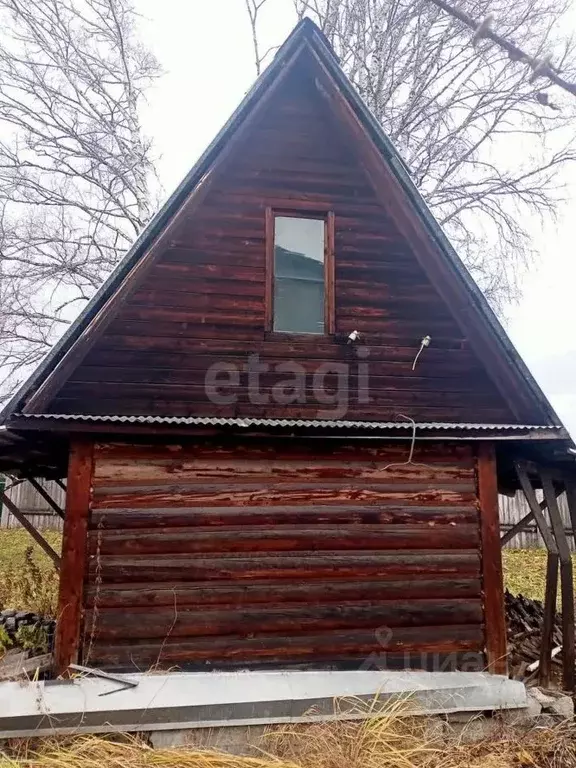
<point x="284" y="419"/>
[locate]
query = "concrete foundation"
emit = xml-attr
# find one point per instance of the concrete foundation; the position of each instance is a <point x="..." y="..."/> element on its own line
<point x="184" y="701"/>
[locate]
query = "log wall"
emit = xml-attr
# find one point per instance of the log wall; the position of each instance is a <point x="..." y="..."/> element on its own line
<point x="282" y="553"/>
<point x="203" y="302"/>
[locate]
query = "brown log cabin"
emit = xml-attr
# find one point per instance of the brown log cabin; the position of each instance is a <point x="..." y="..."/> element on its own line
<point x="285" y="418"/>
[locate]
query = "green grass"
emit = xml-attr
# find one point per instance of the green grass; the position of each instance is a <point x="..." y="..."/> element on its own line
<point x="28" y="580"/>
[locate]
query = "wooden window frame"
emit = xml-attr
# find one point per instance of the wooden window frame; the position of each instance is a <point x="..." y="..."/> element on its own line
<point x="329" y="293"/>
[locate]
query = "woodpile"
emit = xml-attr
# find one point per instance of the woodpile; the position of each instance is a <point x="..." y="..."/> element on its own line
<point x="524" y="621"/>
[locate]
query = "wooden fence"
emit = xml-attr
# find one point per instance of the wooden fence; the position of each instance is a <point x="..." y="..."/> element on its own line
<point x="36" y="509"/>
<point x="513" y="509"/>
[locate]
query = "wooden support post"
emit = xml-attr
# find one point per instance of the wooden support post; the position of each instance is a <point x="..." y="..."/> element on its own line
<point x="46" y="496"/>
<point x="74" y="547"/>
<point x="494" y="617"/>
<point x="535" y="508"/>
<point x="25" y="523"/>
<point x="566" y="582"/>
<point x="570" y="486"/>
<point x="549" y="619"/>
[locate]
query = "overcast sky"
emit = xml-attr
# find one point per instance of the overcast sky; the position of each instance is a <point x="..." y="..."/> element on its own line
<point x="204" y="48"/>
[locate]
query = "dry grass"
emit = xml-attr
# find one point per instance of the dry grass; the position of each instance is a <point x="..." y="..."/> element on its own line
<point x="390" y="740"/>
<point x="28" y="579"/>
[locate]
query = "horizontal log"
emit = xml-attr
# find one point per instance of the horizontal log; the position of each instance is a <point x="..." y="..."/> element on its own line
<point x="130" y="518"/>
<point x="202" y="594"/>
<point x="426" y="388"/>
<point x="304" y="647"/>
<point x="432" y="454"/>
<point x="208" y="286"/>
<point x="278" y="347"/>
<point x="222" y="495"/>
<point x="324" y="565"/>
<point x="451" y="375"/>
<point x="163" y="540"/>
<point x="143" y="623"/>
<point x="329" y="395"/>
<point x="172" y="472"/>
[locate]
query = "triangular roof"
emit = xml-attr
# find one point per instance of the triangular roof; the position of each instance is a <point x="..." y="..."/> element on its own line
<point x="438" y="258"/>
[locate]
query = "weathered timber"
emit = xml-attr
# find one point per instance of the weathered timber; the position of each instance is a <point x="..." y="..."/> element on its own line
<point x="161" y="540"/>
<point x="208" y="290"/>
<point x="566" y="581"/>
<point x="491" y="560"/>
<point x="273" y="539"/>
<point x="74" y="545"/>
<point x="224" y="620"/>
<point x="550" y="592"/>
<point x="323" y="647"/>
<point x="198" y="594"/>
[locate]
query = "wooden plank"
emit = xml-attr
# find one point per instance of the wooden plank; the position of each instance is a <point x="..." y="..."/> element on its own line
<point x="495" y="621"/>
<point x="27" y="525"/>
<point x="46" y="496"/>
<point x="549" y="621"/>
<point x="329" y="272"/>
<point x="74" y="546"/>
<point x="566" y="581"/>
<point x="269" y="276"/>
<point x="530" y="495"/>
<point x="571" y="498"/>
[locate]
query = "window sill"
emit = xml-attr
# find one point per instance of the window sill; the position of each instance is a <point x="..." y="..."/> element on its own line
<point x="282" y="336"/>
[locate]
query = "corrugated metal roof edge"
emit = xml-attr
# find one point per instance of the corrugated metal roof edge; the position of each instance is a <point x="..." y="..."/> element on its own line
<point x="263" y="422"/>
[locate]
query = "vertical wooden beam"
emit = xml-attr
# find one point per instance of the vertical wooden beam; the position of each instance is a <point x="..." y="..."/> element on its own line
<point x="269" y="287"/>
<point x="570" y="486"/>
<point x="566" y="582"/>
<point x="536" y="508"/>
<point x="74" y="546"/>
<point x="494" y="617"/>
<point x="329" y="275"/>
<point x="549" y="619"/>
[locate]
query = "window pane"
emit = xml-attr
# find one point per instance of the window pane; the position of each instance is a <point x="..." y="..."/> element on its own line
<point x="299" y="275"/>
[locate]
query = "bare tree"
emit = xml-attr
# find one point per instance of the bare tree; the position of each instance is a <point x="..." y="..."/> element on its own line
<point x="74" y="164"/>
<point x="484" y="142"/>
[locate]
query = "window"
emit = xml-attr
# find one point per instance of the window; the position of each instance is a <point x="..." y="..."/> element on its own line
<point x="299" y="273"/>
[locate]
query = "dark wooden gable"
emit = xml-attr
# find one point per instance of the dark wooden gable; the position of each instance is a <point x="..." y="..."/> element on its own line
<point x="192" y="291"/>
<point x="203" y="300"/>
